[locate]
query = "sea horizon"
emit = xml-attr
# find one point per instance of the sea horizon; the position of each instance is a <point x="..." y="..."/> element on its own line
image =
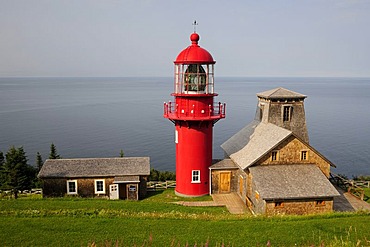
<point x="99" y="116"/>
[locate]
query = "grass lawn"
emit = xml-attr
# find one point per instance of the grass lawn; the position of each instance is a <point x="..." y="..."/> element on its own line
<point x="157" y="222"/>
<point x="367" y="193"/>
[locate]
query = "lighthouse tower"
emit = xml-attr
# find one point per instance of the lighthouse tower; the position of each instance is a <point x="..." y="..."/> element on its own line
<point x="194" y="113"/>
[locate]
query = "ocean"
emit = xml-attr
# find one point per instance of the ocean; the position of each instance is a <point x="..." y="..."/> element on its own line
<point x="97" y="117"/>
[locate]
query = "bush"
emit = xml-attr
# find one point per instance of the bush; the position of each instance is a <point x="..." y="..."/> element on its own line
<point x="163" y="176"/>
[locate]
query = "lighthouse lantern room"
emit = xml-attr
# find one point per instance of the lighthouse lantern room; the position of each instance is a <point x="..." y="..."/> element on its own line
<point x="194" y="113"/>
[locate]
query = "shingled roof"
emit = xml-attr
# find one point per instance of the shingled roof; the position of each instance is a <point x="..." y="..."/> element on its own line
<point x="274" y="182"/>
<point x="223" y="164"/>
<point x="280" y="93"/>
<point x="253" y="141"/>
<point x="95" y="167"/>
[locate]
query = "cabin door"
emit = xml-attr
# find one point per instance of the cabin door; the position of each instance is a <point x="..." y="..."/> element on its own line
<point x="114" y="192"/>
<point x="225" y="182"/>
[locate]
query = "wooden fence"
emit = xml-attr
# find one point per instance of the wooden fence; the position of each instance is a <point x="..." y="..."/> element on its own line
<point x="351" y="186"/>
<point x="159" y="185"/>
<point x="362" y="184"/>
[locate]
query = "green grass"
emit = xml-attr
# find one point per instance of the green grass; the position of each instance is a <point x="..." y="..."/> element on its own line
<point x="157" y="222"/>
<point x="367" y="193"/>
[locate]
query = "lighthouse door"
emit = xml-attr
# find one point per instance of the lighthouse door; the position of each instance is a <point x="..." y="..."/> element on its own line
<point x="225" y="182"/>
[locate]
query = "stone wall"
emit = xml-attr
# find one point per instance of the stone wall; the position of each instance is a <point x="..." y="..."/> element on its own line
<point x="258" y="205"/>
<point x="289" y="152"/>
<point x="299" y="207"/>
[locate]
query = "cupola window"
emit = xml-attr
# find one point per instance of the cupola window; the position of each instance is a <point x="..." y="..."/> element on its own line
<point x="287" y="113"/>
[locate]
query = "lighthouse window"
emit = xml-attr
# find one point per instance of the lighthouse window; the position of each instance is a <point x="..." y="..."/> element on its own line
<point x="195" y="78"/>
<point x="195" y="178"/>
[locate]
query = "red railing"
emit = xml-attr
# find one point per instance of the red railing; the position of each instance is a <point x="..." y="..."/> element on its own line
<point x="215" y="111"/>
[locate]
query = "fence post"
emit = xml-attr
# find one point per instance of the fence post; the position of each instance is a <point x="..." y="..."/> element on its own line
<point x="362" y="195"/>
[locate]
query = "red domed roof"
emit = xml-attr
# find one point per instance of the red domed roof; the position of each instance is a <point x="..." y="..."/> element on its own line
<point x="194" y="53"/>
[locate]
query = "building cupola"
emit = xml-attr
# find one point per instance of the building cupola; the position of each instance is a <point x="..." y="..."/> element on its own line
<point x="285" y="109"/>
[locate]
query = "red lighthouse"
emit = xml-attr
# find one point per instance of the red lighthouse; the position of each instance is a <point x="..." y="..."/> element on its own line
<point x="194" y="113"/>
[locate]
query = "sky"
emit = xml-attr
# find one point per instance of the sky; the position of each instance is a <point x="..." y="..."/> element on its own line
<point x="114" y="38"/>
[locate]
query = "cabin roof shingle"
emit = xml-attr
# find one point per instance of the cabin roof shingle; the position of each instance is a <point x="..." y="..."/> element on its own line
<point x="274" y="182"/>
<point x="280" y="93"/>
<point x="95" y="167"/>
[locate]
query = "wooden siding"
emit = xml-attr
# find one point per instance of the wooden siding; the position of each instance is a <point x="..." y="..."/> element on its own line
<point x="57" y="187"/>
<point x="143" y="186"/>
<point x="289" y="152"/>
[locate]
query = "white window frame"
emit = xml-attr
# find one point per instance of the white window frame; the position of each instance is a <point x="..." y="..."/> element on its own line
<point x="196" y="176"/>
<point x="176" y="136"/>
<point x="96" y="186"/>
<point x="73" y="192"/>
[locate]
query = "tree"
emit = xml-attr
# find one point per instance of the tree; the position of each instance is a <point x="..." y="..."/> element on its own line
<point x="156" y="175"/>
<point x="1" y="167"/>
<point x="1" y="158"/>
<point x="121" y="153"/>
<point x="53" y="152"/>
<point x="39" y="162"/>
<point x="16" y="173"/>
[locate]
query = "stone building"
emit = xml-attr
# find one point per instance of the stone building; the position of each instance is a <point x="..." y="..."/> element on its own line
<point x="270" y="163"/>
<point x="114" y="178"/>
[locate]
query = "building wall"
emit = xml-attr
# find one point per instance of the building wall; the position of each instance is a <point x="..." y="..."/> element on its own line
<point x="54" y="187"/>
<point x="257" y="204"/>
<point x="215" y="180"/>
<point x="242" y="184"/>
<point x="272" y="112"/>
<point x="289" y="152"/>
<point x="143" y="186"/>
<point x="309" y="206"/>
<point x="57" y="187"/>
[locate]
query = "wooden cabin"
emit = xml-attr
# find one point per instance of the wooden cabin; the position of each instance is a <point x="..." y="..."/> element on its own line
<point x="114" y="178"/>
<point x="270" y="163"/>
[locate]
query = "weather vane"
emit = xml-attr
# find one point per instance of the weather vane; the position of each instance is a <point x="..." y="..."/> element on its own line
<point x="195" y="24"/>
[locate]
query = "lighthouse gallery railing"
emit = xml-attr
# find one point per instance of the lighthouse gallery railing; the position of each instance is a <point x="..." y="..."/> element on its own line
<point x="218" y="110"/>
